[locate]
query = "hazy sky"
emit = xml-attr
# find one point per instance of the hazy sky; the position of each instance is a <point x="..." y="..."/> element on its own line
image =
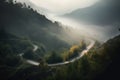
<point x="59" y="6"/>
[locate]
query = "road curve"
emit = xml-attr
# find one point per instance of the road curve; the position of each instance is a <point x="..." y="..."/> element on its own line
<point x="81" y="54"/>
<point x="35" y="48"/>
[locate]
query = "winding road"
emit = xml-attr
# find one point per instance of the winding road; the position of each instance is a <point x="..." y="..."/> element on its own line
<point x="81" y="54"/>
<point x="35" y="48"/>
<point x="30" y="61"/>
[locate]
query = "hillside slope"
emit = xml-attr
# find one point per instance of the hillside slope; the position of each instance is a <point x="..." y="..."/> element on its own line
<point x="104" y="12"/>
<point x="101" y="62"/>
<point x="26" y="22"/>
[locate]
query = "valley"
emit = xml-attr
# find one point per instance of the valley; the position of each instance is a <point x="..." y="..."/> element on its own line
<point x="79" y="45"/>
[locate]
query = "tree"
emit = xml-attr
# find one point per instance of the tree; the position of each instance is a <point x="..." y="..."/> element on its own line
<point x="74" y="48"/>
<point x="10" y="1"/>
<point x="54" y="58"/>
<point x="82" y="44"/>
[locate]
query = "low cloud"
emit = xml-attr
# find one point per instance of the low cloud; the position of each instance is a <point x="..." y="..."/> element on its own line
<point x="58" y="6"/>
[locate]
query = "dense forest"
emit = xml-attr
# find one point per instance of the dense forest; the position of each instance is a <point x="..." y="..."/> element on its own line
<point x="100" y="62"/>
<point x="26" y="22"/>
<point x="22" y="27"/>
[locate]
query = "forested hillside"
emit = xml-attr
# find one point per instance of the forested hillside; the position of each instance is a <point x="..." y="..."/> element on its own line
<point x="26" y="22"/>
<point x="104" y="12"/>
<point x="22" y="27"/>
<point x="11" y="49"/>
<point x="100" y="62"/>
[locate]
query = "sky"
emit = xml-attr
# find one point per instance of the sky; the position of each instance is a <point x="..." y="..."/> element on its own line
<point x="58" y="7"/>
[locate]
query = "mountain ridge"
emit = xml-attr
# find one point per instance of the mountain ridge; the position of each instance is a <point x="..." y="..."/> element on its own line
<point x="28" y="23"/>
<point x="102" y="13"/>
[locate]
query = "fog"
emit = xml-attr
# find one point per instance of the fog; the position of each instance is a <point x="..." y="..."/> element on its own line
<point x="52" y="11"/>
<point x="79" y="29"/>
<point x="58" y="7"/>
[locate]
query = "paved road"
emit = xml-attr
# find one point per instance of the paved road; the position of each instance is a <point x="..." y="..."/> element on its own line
<point x="30" y="61"/>
<point x="33" y="62"/>
<point x="35" y="48"/>
<point x="81" y="54"/>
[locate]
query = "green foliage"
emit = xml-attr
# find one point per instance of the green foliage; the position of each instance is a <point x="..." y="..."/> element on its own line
<point x="11" y="66"/>
<point x="73" y="51"/>
<point x="54" y="58"/>
<point x="26" y="22"/>
<point x="90" y="65"/>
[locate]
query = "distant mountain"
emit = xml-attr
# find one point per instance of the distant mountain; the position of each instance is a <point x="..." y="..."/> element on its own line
<point x="104" y="12"/>
<point x="26" y="22"/>
<point x="21" y="27"/>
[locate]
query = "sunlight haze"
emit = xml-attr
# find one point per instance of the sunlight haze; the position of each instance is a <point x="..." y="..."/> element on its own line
<point x="60" y="7"/>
